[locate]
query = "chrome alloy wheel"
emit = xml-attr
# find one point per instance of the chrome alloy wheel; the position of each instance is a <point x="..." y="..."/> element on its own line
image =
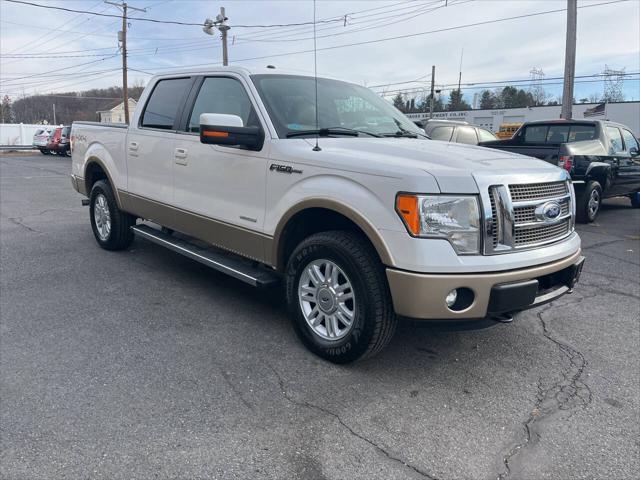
<point x="102" y="217"/>
<point x="594" y="203"/>
<point x="327" y="299"/>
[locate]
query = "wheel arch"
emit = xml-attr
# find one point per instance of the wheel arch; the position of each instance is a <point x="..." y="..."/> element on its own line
<point x="317" y="215"/>
<point x="96" y="170"/>
<point x="602" y="173"/>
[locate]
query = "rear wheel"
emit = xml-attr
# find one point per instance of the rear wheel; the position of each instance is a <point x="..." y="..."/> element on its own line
<point x="338" y="297"/>
<point x="111" y="226"/>
<point x="588" y="203"/>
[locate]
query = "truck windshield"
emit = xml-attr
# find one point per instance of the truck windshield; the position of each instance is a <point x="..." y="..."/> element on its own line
<point x="290" y="101"/>
<point x="559" y="133"/>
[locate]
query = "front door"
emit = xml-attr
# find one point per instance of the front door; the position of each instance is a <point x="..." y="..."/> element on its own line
<point x="221" y="190"/>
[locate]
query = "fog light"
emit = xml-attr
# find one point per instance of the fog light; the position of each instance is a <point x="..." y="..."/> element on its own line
<point x="451" y="298"/>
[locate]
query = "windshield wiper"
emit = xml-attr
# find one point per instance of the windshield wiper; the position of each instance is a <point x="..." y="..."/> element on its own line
<point x="403" y="132"/>
<point x="325" y="132"/>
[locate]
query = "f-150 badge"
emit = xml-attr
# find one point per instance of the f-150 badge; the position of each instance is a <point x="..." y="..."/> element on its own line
<point x="283" y="168"/>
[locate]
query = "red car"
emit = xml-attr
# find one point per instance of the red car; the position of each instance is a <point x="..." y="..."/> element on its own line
<point x="59" y="141"/>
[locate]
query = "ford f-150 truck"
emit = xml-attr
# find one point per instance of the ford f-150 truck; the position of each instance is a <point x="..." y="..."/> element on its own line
<point x="361" y="216"/>
<point x="602" y="157"/>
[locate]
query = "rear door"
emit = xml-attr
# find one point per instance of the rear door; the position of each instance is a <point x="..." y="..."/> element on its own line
<point x="628" y="178"/>
<point x="149" y="148"/>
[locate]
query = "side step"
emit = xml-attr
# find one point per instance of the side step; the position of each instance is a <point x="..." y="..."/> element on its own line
<point x="232" y="265"/>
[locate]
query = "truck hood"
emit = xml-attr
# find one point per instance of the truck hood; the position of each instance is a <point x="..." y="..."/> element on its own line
<point x="453" y="165"/>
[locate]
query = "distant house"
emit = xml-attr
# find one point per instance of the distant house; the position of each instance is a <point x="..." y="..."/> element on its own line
<point x="114" y="113"/>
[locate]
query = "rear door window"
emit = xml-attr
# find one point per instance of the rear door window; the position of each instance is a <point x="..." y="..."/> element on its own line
<point x="467" y="135"/>
<point x="163" y="104"/>
<point x="630" y="141"/>
<point x="616" y="139"/>
<point x="441" y="133"/>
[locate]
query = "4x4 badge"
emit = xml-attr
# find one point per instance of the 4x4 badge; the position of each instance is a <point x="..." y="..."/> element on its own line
<point x="283" y="168"/>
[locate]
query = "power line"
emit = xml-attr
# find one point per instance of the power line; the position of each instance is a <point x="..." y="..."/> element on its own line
<point x="398" y="37"/>
<point x="154" y="20"/>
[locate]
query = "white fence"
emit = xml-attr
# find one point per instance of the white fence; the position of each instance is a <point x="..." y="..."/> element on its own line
<point x="18" y="134"/>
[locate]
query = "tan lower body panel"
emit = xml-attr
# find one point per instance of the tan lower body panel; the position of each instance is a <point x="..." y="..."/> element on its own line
<point x="79" y="185"/>
<point x="419" y="295"/>
<point x="235" y="239"/>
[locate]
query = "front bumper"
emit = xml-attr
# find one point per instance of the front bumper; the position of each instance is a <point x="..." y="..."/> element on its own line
<point x="422" y="296"/>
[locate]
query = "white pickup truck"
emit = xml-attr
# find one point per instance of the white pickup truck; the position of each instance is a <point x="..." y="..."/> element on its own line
<point x="361" y="216"/>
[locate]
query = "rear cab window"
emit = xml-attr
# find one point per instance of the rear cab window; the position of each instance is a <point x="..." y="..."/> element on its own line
<point x="559" y="133"/>
<point x="165" y="101"/>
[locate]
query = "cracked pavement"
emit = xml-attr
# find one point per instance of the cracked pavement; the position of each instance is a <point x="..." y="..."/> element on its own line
<point x="144" y="364"/>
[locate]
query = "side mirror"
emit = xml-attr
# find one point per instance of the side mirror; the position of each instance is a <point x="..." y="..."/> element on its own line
<point x="223" y="129"/>
<point x="634" y="152"/>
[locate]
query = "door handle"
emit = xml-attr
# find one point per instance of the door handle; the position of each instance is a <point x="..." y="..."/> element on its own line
<point x="133" y="146"/>
<point x="180" y="156"/>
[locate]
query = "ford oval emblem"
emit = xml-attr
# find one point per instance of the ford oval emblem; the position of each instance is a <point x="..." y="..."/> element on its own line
<point x="551" y="210"/>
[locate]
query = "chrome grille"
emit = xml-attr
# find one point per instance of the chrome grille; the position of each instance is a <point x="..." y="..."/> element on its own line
<point x="537" y="191"/>
<point x="494" y="219"/>
<point x="535" y="235"/>
<point x="518" y="216"/>
<point x="528" y="214"/>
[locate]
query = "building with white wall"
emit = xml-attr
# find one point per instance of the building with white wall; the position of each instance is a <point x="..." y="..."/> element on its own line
<point x="115" y="113"/>
<point x="627" y="113"/>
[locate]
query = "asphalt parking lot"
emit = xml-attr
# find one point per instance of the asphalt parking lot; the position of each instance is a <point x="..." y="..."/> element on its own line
<point x="144" y="364"/>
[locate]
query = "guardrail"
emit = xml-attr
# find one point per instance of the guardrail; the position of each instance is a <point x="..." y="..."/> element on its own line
<point x="17" y="147"/>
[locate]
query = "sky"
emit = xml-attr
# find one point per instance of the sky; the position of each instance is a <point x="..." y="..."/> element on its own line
<point x="54" y="51"/>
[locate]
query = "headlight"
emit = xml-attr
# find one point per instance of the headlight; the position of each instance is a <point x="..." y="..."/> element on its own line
<point x="454" y="217"/>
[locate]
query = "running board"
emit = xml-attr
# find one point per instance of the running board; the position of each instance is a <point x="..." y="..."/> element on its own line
<point x="237" y="267"/>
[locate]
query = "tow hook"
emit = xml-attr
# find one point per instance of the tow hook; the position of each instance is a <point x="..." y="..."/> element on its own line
<point x="85" y="202"/>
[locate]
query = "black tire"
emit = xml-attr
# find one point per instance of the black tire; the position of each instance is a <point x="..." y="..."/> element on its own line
<point x="374" y="321"/>
<point x="635" y="199"/>
<point x="586" y="212"/>
<point x="44" y="151"/>
<point x="120" y="235"/>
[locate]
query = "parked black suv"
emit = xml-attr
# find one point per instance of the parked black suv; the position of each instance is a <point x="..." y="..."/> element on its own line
<point x="602" y="157"/>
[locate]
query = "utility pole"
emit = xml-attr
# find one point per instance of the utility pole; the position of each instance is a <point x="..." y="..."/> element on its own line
<point x="54" y="114"/>
<point x="569" y="60"/>
<point x="122" y="37"/>
<point x="460" y="81"/>
<point x="220" y="22"/>
<point x="433" y="92"/>
<point x="224" y="28"/>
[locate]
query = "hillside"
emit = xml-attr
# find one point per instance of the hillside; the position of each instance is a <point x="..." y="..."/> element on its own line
<point x="70" y="106"/>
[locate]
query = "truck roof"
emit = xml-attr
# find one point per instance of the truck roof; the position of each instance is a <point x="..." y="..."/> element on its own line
<point x="573" y="121"/>
<point x="267" y="70"/>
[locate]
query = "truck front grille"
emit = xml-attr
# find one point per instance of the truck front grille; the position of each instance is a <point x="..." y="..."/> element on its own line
<point x="518" y="220"/>
<point x="537" y="191"/>
<point x="536" y="235"/>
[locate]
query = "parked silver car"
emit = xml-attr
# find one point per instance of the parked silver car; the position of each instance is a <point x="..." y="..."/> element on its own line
<point x="41" y="139"/>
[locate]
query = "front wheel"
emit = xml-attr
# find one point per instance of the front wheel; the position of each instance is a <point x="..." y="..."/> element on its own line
<point x="588" y="202"/>
<point x="111" y="226"/>
<point x="338" y="297"/>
